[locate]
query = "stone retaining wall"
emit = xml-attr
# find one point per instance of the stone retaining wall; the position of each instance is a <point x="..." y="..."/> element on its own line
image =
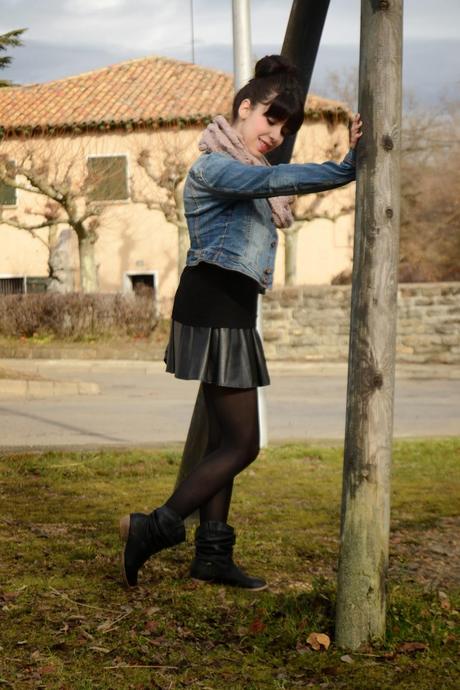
<point x="311" y="322"/>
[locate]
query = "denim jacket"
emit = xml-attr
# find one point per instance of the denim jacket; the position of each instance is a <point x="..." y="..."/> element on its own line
<point x="229" y="218"/>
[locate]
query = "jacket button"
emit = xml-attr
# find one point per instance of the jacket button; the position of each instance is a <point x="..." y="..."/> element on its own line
<point x="268" y="271"/>
<point x="273" y="244"/>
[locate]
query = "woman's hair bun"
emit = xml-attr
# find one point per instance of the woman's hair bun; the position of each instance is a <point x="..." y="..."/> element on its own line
<point x="270" y="65"/>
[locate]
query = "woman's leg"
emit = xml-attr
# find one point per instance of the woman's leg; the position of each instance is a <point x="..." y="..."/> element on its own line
<point x="234" y="410"/>
<point x="143" y="535"/>
<point x="218" y="506"/>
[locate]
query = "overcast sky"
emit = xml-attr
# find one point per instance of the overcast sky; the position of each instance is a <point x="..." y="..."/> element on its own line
<point x="69" y="36"/>
<point x="147" y="24"/>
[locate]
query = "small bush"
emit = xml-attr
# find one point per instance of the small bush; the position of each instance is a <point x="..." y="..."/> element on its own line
<point x="77" y="316"/>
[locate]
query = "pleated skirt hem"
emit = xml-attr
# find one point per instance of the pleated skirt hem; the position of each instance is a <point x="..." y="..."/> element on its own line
<point x="229" y="357"/>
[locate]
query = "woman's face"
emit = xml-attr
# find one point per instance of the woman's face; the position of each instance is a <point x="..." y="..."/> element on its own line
<point x="261" y="134"/>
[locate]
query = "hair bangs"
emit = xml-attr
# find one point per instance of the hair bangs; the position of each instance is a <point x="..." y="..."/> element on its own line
<point x="288" y="107"/>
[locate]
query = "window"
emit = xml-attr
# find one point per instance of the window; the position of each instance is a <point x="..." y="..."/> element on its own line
<point x="7" y="193"/>
<point x="141" y="283"/>
<point x="12" y="285"/>
<point x="36" y="284"/>
<point x="18" y="285"/>
<point x="107" y="178"/>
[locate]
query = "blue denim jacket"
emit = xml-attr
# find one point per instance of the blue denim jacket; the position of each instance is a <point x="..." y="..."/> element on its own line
<point x="229" y="218"/>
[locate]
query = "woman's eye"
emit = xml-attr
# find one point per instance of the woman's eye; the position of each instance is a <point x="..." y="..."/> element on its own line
<point x="271" y="121"/>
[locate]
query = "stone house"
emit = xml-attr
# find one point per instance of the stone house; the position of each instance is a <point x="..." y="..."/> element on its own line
<point x="102" y="123"/>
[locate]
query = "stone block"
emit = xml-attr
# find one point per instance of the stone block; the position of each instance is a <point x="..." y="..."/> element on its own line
<point x="413" y="358"/>
<point x="66" y="388"/>
<point x="424" y="301"/>
<point x="9" y="387"/>
<point x="404" y="349"/>
<point x="40" y="389"/>
<point x="448" y="358"/>
<point x="275" y="316"/>
<point x="450" y="339"/>
<point x="88" y="388"/>
<point x="270" y="334"/>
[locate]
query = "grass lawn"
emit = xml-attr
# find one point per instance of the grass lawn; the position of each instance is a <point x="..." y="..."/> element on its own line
<point x="66" y="622"/>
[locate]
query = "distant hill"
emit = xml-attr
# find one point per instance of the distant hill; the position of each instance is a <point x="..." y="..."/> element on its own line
<point x="431" y="68"/>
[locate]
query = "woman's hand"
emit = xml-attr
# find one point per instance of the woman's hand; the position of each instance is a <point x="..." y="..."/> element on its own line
<point x="355" y="130"/>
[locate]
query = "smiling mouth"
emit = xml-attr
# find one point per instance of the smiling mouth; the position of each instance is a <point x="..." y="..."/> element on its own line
<point x="263" y="146"/>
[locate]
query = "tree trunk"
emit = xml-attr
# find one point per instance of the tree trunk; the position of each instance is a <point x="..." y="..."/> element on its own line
<point x="290" y="253"/>
<point x="183" y="245"/>
<point x="88" y="270"/>
<point x="365" y="518"/>
<point x="59" y="261"/>
<point x="182" y="229"/>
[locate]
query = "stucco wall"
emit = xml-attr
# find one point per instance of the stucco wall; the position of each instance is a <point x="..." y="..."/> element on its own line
<point x="312" y="323"/>
<point x="134" y="235"/>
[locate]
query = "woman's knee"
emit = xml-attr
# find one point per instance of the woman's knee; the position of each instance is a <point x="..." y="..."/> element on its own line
<point x="244" y="450"/>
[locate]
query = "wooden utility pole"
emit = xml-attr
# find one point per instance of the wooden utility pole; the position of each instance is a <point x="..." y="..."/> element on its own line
<point x="365" y="519"/>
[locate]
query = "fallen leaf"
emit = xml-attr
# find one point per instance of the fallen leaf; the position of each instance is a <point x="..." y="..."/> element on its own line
<point x="444" y="599"/>
<point x="318" y="640"/>
<point x="46" y="669"/>
<point x="347" y="659"/>
<point x="152" y="610"/>
<point x="257" y="626"/>
<point x="412" y="647"/>
<point x="10" y="596"/>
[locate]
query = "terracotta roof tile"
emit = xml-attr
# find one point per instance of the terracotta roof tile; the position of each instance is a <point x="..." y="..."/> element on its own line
<point x="151" y="89"/>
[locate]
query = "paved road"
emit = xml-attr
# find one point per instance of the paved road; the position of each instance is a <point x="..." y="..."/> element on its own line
<point x="140" y="405"/>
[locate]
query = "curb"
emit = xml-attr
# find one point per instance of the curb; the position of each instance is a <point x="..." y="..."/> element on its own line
<point x="282" y="367"/>
<point x="16" y="388"/>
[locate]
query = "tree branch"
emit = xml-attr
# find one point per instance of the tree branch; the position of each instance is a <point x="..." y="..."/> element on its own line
<point x="31" y="228"/>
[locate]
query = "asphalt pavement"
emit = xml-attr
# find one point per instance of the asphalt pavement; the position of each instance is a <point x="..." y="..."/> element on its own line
<point x="140" y="405"/>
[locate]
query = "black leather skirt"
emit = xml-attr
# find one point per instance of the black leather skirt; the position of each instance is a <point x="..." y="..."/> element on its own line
<point x="230" y="357"/>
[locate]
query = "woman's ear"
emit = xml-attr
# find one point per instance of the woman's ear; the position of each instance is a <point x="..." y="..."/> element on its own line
<point x="245" y="109"/>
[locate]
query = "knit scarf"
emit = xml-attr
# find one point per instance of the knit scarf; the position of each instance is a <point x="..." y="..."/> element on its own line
<point x="220" y="137"/>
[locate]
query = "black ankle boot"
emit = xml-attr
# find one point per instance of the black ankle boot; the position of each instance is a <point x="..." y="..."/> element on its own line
<point x="145" y="535"/>
<point x="213" y="560"/>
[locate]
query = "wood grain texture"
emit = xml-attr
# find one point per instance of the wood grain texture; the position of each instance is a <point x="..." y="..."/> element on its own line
<point x="365" y="515"/>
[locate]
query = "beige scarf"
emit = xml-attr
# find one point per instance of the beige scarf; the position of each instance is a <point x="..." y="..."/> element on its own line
<point x="220" y="137"/>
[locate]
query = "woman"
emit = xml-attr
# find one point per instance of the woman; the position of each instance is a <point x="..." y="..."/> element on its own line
<point x="233" y="200"/>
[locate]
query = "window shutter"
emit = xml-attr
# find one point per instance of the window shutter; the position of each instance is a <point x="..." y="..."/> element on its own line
<point x="107" y="178"/>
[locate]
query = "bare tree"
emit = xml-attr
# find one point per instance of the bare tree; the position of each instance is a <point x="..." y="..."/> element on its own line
<point x="330" y="205"/>
<point x="343" y="86"/>
<point x="430" y="180"/>
<point x="166" y="165"/>
<point x="305" y="210"/>
<point x="66" y="195"/>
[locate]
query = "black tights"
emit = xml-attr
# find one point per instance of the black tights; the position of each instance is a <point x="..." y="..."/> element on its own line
<point x="233" y="443"/>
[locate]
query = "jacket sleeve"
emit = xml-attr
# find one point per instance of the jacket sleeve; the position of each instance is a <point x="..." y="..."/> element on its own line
<point x="222" y="176"/>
